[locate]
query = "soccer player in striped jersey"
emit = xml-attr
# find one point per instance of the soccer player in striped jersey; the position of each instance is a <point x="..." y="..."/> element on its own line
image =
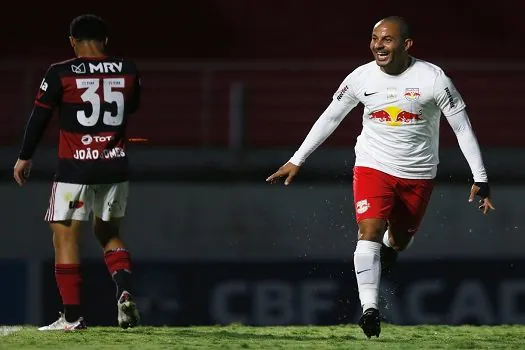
<point x="94" y="95"/>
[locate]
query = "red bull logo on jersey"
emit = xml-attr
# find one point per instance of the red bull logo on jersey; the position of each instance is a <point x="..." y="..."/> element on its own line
<point x="395" y="116"/>
<point x="412" y="94"/>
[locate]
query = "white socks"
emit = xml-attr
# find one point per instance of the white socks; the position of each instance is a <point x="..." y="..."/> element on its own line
<point x="367" y="263"/>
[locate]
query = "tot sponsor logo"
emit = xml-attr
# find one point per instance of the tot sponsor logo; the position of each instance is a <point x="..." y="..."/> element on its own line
<point x="88" y="139"/>
<point x="96" y="152"/>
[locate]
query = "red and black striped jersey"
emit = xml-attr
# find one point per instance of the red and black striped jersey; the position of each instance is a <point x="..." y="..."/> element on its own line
<point x="94" y="98"/>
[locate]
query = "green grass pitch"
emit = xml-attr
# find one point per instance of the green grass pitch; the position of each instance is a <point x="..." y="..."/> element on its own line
<point x="286" y="337"/>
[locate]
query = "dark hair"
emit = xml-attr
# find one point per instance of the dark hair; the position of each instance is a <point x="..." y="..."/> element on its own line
<point x="404" y="28"/>
<point x="88" y="27"/>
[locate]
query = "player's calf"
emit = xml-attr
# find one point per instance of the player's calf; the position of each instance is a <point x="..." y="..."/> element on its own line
<point x="118" y="262"/>
<point x="367" y="262"/>
<point x="119" y="266"/>
<point x="368" y="272"/>
<point x="388" y="258"/>
<point x="67" y="270"/>
<point x="393" y="243"/>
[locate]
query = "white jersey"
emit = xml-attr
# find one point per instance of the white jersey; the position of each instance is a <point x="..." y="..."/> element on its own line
<point x="401" y="117"/>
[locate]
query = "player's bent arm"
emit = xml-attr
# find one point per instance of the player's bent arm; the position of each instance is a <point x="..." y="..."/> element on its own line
<point x="468" y="144"/>
<point x="321" y="130"/>
<point x="35" y="128"/>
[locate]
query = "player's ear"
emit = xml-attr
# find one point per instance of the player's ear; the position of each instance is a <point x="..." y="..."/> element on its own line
<point x="408" y="44"/>
<point x="106" y="42"/>
<point x="72" y="41"/>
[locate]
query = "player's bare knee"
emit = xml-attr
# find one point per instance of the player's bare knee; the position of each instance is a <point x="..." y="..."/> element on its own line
<point x="65" y="233"/>
<point x="371" y="230"/>
<point x="105" y="231"/>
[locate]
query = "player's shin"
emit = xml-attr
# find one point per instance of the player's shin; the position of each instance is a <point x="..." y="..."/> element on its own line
<point x="368" y="272"/>
<point x="118" y="263"/>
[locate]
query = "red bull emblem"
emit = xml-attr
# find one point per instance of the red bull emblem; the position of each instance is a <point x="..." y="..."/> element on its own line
<point x="395" y="116"/>
<point x="412" y="94"/>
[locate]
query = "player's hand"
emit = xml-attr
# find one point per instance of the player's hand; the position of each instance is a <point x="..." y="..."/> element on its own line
<point x="288" y="170"/>
<point x="22" y="171"/>
<point x="482" y="189"/>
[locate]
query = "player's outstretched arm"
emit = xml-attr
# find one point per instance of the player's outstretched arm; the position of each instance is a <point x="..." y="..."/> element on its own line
<point x="320" y="131"/>
<point x="343" y="101"/>
<point x="469" y="146"/>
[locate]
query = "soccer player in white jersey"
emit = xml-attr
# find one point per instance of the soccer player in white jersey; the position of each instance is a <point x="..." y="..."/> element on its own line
<point x="396" y="152"/>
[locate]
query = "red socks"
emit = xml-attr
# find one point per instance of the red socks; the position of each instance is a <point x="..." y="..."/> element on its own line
<point x="119" y="267"/>
<point x="116" y="260"/>
<point x="68" y="281"/>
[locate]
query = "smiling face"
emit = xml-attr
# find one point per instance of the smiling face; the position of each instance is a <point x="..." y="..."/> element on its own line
<point x="389" y="45"/>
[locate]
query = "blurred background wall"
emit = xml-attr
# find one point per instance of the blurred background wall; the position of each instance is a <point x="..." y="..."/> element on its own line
<point x="230" y="90"/>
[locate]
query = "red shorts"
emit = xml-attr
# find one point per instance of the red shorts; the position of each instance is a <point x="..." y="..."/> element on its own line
<point x="402" y="202"/>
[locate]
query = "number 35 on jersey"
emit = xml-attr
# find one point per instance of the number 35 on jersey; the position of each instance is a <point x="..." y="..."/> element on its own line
<point x="98" y="91"/>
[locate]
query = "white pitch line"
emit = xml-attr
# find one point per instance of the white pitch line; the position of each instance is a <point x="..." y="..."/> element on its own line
<point x="6" y="330"/>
